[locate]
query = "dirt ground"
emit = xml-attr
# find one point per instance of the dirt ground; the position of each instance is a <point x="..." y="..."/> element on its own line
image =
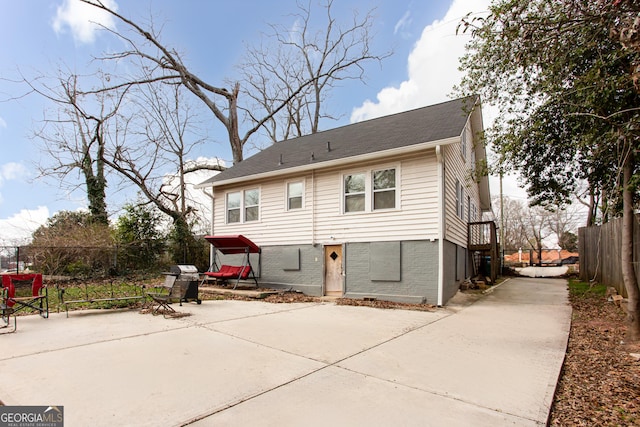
<point x="293" y="297"/>
<point x="600" y="380"/>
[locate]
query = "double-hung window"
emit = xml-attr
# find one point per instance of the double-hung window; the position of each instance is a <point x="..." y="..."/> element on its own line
<point x="243" y="206"/>
<point x="370" y="191"/>
<point x="294" y="195"/>
<point x="251" y="205"/>
<point x="354" y="192"/>
<point x="459" y="200"/>
<point x="384" y="189"/>
<point x="233" y="207"/>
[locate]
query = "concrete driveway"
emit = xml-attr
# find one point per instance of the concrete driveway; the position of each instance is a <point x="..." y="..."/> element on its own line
<point x="494" y="362"/>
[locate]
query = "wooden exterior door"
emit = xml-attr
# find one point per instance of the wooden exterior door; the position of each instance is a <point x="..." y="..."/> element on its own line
<point x="333" y="270"/>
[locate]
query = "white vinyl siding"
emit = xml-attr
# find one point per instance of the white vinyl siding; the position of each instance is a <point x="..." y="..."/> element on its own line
<point x="464" y="144"/>
<point x="461" y="192"/>
<point x="322" y="218"/>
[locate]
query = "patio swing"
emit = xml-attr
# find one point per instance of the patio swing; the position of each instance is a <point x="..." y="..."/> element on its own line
<point x="230" y="245"/>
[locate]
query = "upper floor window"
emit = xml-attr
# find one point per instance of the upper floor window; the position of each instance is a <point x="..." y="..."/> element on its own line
<point x="243" y="206"/>
<point x="384" y="189"/>
<point x="294" y="195"/>
<point x="251" y="205"/>
<point x="459" y="200"/>
<point x="233" y="207"/>
<point x="354" y="192"/>
<point x="474" y="213"/>
<point x="370" y="191"/>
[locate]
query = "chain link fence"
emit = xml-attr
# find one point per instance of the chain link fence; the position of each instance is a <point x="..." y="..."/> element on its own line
<point x="81" y="262"/>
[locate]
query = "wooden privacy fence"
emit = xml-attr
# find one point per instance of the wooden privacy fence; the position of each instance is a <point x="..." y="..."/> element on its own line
<point x="600" y="253"/>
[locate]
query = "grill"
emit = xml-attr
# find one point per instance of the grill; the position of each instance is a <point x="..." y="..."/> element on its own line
<point x="187" y="277"/>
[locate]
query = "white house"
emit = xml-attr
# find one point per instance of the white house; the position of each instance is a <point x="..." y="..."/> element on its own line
<point x="376" y="209"/>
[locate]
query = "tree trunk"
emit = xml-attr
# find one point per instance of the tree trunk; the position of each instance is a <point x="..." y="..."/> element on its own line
<point x="237" y="144"/>
<point x="628" y="271"/>
<point x="96" y="185"/>
<point x="591" y="218"/>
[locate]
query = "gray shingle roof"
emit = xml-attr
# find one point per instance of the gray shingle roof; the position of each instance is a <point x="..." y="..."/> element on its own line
<point x="422" y="125"/>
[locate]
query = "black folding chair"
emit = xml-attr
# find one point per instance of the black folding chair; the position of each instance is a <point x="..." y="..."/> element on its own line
<point x="169" y="292"/>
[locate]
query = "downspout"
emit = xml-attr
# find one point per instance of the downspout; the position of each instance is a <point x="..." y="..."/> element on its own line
<point x="313" y="207"/>
<point x="441" y="222"/>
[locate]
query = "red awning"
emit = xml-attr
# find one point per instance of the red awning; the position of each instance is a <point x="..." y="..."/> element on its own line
<point x="237" y="244"/>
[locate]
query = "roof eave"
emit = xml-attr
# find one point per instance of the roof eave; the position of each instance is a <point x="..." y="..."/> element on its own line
<point x="333" y="163"/>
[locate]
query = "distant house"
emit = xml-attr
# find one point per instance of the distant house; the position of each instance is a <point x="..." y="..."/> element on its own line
<point x="376" y="209"/>
<point x="549" y="257"/>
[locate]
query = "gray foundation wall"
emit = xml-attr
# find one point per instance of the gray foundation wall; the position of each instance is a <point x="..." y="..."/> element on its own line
<point x="455" y="262"/>
<point x="409" y="271"/>
<point x="416" y="282"/>
<point x="298" y="267"/>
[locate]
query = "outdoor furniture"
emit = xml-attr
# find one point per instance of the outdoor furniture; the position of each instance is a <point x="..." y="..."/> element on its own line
<point x="6" y="312"/>
<point x="180" y="284"/>
<point x="90" y="294"/>
<point x="232" y="245"/>
<point x="24" y="292"/>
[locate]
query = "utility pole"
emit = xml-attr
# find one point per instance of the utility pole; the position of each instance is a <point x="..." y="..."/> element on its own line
<point x="501" y="224"/>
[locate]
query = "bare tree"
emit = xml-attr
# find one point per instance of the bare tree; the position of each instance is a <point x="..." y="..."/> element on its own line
<point x="514" y="233"/>
<point x="73" y="136"/>
<point x="528" y="227"/>
<point x="146" y="141"/>
<point x="590" y="198"/>
<point x="161" y="63"/>
<point x="562" y="221"/>
<point x="303" y="57"/>
<point x="150" y="149"/>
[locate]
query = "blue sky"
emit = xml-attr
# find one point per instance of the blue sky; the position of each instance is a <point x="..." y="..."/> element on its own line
<point x="40" y="37"/>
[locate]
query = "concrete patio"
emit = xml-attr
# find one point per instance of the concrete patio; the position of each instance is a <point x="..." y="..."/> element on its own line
<point x="493" y="362"/>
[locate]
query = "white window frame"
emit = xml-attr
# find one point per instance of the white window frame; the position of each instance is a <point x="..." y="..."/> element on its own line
<point x="383" y="190"/>
<point x="289" y="197"/>
<point x="365" y="175"/>
<point x="243" y="206"/>
<point x="369" y="190"/>
<point x="459" y="199"/>
<point x="246" y="206"/>
<point x="227" y="207"/>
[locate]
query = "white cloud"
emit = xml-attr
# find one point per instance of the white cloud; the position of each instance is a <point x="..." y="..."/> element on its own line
<point x="403" y="22"/>
<point x="432" y="66"/>
<point x="13" y="171"/>
<point x="3" y="123"/>
<point x="18" y="228"/>
<point x="82" y="19"/>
